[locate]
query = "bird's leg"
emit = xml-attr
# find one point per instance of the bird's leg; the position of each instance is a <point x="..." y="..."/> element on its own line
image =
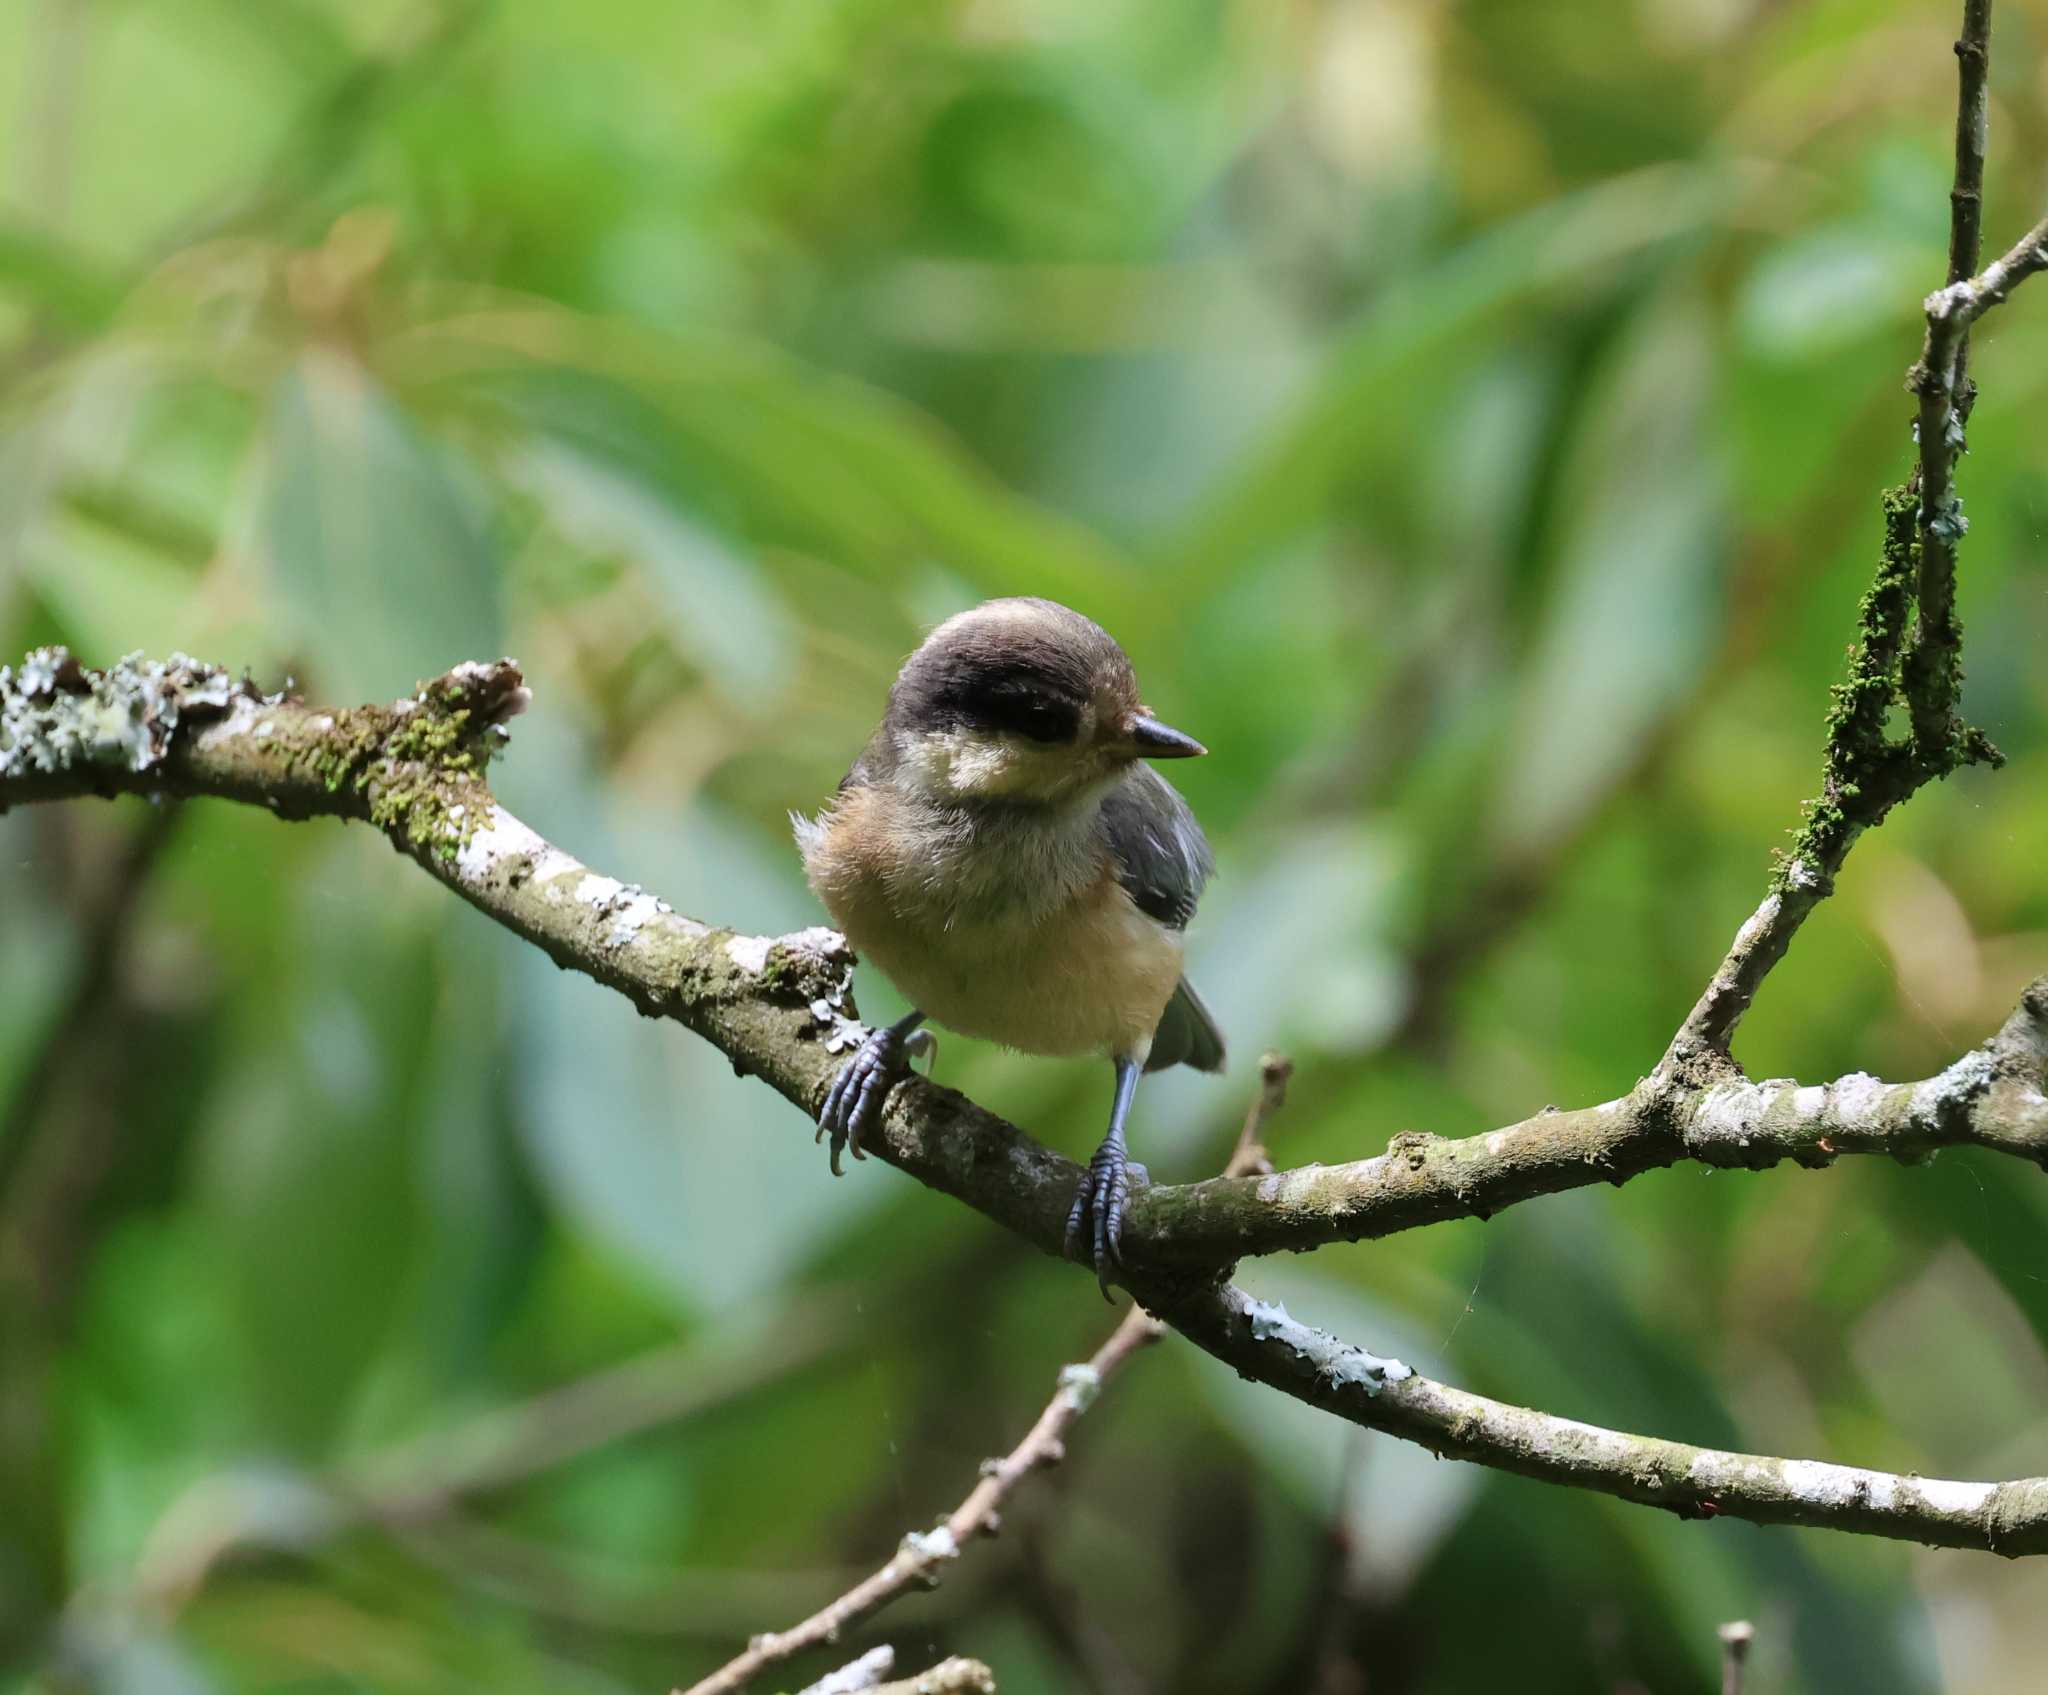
<point x="854" y="1101"/>
<point x="1105" y="1187"/>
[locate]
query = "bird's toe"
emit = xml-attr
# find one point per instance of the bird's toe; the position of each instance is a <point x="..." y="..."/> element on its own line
<point x="854" y="1102"/>
<point x="1097" y="1216"/>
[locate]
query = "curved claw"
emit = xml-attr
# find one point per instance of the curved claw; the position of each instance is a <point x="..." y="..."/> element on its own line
<point x="854" y="1102"/>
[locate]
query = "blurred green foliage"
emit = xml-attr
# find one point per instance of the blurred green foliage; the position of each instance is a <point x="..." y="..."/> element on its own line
<point x="1471" y="417"/>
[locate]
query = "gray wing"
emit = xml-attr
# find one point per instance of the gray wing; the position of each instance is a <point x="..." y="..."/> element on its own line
<point x="1162" y="861"/>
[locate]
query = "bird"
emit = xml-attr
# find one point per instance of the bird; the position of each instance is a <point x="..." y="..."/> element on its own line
<point x="1004" y="850"/>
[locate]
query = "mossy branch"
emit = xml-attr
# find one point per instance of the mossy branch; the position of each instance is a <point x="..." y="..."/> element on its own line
<point x="781" y="1009"/>
<point x="1909" y="648"/>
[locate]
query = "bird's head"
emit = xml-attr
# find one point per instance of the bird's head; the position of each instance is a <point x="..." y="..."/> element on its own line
<point x="1024" y="701"/>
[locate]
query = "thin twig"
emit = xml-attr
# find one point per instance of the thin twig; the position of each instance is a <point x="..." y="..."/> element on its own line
<point x="949" y="1677"/>
<point x="1736" y="1637"/>
<point x="1248" y="1158"/>
<point x="1866" y="773"/>
<point x="1933" y="665"/>
<point x="918" y="1559"/>
<point x="1966" y="193"/>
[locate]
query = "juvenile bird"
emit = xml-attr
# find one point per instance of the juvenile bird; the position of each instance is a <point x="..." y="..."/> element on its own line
<point x="1002" y="852"/>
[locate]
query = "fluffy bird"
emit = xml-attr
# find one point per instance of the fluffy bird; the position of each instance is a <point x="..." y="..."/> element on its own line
<point x="1005" y="853"/>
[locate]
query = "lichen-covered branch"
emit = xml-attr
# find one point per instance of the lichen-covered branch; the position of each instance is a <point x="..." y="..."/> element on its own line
<point x="1993" y="1097"/>
<point x="1865" y="772"/>
<point x="949" y="1677"/>
<point x="781" y="1009"/>
<point x="1933" y="670"/>
<point x="1265" y="1343"/>
<point x="1909" y="644"/>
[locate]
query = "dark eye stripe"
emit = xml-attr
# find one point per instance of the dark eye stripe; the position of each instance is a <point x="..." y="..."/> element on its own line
<point x="1042" y="717"/>
<point x="1022" y="699"/>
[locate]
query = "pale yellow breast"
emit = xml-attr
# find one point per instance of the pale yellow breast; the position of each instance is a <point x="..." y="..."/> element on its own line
<point x="1090" y="975"/>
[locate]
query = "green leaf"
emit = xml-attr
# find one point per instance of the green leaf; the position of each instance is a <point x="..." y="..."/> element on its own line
<point x="382" y="554"/>
<point x="721" y="615"/>
<point x="1377" y="382"/>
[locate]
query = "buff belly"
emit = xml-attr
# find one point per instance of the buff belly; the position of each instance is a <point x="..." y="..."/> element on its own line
<point x="1092" y="975"/>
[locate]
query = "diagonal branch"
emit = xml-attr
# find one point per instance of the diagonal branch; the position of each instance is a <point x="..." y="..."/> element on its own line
<point x="1263" y="1342"/>
<point x="1866" y="773"/>
<point x="918" y="1559"/>
<point x="780" y="1008"/>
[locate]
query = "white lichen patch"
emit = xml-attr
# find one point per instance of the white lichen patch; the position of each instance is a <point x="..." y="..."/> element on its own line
<point x="629" y="907"/>
<point x="1757" y="922"/>
<point x="1834" y="1488"/>
<point x="749" y="953"/>
<point x="1822" y="1485"/>
<point x="1079" y="1385"/>
<point x="634" y="914"/>
<point x="501" y="840"/>
<point x="1366" y="1371"/>
<point x="1727" y="1112"/>
<point x="863" y="1673"/>
<point x="1334" y="1358"/>
<point x="56" y="715"/>
<point x="1800" y="875"/>
<point x="1961" y="1083"/>
<point x="937" y="1543"/>
<point x="1952" y="1499"/>
<point x="1567" y="1440"/>
<point x="598" y="891"/>
<point x="1858" y="1098"/>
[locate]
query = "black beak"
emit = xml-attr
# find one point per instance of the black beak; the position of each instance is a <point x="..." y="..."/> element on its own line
<point x="1155" y="740"/>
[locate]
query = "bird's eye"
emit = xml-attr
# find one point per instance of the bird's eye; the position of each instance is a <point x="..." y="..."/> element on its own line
<point x="1044" y="722"/>
<point x="1029" y="713"/>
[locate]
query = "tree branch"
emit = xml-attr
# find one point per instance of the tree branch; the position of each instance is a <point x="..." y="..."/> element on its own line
<point x="1262" y="1342"/>
<point x="1866" y="773"/>
<point x="781" y="1009"/>
<point x="1992" y="1097"/>
<point x="917" y="1561"/>
<point x="1933" y="671"/>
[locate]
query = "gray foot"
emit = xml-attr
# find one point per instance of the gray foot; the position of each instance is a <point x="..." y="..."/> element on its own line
<point x="1097" y="1218"/>
<point x="853" y="1104"/>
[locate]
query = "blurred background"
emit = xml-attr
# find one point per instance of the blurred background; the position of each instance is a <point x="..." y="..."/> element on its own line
<point x="1470" y="416"/>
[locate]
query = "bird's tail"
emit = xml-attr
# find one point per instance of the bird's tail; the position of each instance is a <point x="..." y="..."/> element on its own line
<point x="1187" y="1034"/>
